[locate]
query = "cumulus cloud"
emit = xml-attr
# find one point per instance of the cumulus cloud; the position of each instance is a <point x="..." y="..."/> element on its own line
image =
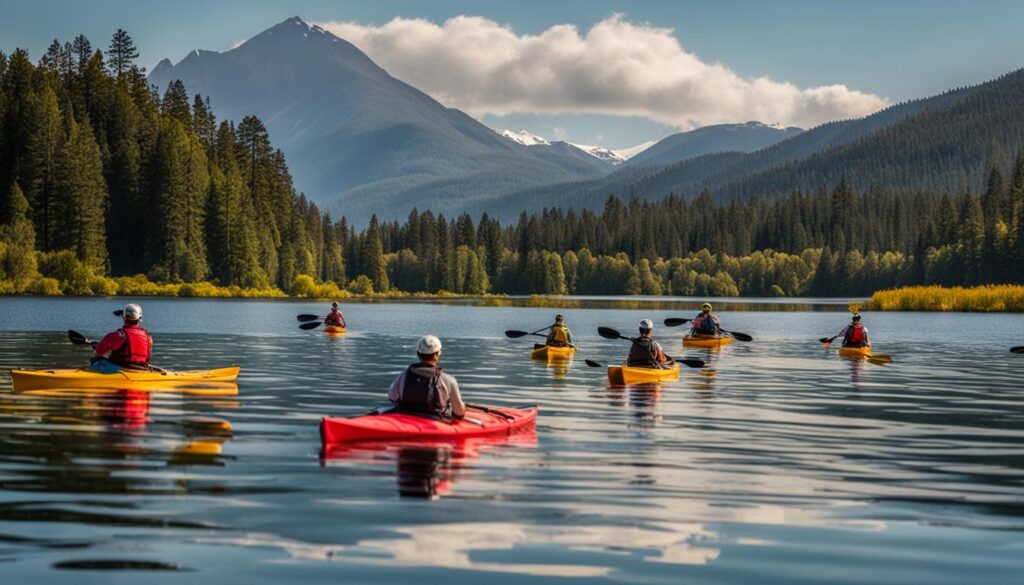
<point x="618" y="67"/>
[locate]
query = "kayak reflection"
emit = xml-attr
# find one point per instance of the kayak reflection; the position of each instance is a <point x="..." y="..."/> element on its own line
<point x="424" y="469"/>
<point x="105" y="439"/>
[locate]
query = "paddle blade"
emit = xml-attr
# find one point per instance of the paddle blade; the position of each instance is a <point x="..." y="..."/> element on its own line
<point x="77" y="338"/>
<point x="675" y="322"/>
<point x="692" y="362"/>
<point x="308" y="317"/>
<point x="739" y="336"/>
<point x="1018" y="349"/>
<point x="826" y="340"/>
<point x="513" y="334"/>
<point x="593" y="364"/>
<point x="609" y="333"/>
<point x="880" y="359"/>
<point x="119" y="312"/>
<point x="308" y="326"/>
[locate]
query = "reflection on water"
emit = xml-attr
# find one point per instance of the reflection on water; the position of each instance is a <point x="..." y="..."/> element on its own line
<point x="423" y="469"/>
<point x="779" y="462"/>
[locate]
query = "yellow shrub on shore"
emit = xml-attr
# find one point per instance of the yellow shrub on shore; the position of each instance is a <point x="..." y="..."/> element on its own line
<point x="1008" y="298"/>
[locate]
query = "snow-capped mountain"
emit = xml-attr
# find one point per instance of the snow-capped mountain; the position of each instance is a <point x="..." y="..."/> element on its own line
<point x="601" y="153"/>
<point x="523" y="137"/>
<point x="359" y="141"/>
<point x="614" y="156"/>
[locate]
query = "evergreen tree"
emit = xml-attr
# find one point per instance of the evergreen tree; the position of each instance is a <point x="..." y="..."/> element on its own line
<point x="80" y="225"/>
<point x="121" y="54"/>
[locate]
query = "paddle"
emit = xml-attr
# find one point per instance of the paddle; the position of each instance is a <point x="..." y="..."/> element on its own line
<point x="313" y="325"/>
<point x="308" y="317"/>
<point x="513" y="334"/>
<point x="676" y="322"/>
<point x="737" y="335"/>
<point x="119" y="312"/>
<point x="79" y="339"/>
<point x="609" y="333"/>
<point x="827" y="340"/>
<point x="1018" y="349"/>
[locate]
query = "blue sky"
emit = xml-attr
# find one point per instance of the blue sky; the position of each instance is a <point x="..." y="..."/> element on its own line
<point x="893" y="50"/>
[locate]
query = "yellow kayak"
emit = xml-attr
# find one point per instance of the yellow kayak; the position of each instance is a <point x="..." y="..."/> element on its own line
<point x="335" y="330"/>
<point x="706" y="340"/>
<point x="620" y="375"/>
<point x="552" y="353"/>
<point x="45" y="379"/>
<point x="855" y="352"/>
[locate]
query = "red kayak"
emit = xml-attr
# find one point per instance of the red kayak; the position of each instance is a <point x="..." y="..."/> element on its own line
<point x="389" y="424"/>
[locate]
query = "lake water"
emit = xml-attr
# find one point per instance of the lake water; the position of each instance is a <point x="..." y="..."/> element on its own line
<point x="781" y="464"/>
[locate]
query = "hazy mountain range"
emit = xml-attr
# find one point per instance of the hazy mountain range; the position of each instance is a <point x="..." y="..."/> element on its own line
<point x="359" y="141"/>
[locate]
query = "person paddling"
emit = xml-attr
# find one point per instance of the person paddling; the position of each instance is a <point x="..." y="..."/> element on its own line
<point x="335" y="317"/>
<point x="558" y="334"/>
<point x="706" y="323"/>
<point x="645" y="352"/>
<point x="127" y="348"/>
<point x="855" y="334"/>
<point x="424" y="387"/>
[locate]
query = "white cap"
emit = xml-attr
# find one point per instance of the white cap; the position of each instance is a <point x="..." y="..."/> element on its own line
<point x="646" y="325"/>
<point x="428" y="345"/>
<point x="133" y="312"/>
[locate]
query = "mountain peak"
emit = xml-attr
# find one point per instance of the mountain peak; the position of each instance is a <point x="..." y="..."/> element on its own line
<point x="290" y="22"/>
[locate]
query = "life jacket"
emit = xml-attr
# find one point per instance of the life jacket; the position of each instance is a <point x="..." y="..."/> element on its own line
<point x="419" y="394"/>
<point x="705" y="324"/>
<point x="333" y="318"/>
<point x="642" y="353"/>
<point x="559" y="336"/>
<point x="855" y="336"/>
<point x="135" y="349"/>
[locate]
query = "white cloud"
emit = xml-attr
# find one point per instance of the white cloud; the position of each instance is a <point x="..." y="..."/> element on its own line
<point x="618" y="67"/>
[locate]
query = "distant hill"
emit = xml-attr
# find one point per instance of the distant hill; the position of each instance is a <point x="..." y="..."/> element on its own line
<point x="856" y="148"/>
<point x="358" y="140"/>
<point x="746" y="137"/>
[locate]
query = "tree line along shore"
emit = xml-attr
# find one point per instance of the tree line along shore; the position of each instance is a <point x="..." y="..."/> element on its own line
<point x="108" y="187"/>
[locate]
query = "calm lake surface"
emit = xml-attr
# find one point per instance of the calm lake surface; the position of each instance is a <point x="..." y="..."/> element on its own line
<point x="787" y="464"/>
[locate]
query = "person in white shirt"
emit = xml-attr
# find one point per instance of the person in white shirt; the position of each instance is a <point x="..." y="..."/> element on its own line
<point x="424" y="387"/>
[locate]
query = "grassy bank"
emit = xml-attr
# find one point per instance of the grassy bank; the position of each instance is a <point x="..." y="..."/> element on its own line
<point x="989" y="298"/>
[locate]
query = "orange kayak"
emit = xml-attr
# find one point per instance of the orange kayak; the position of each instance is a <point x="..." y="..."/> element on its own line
<point x="552" y="353"/>
<point x="706" y="340"/>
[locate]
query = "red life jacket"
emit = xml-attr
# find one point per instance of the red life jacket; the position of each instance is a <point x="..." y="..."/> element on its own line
<point x="855" y="335"/>
<point x="333" y="318"/>
<point x="135" y="349"/>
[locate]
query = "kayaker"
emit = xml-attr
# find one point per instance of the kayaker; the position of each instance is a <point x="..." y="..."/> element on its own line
<point x="558" y="334"/>
<point x="706" y="323"/>
<point x="645" y="352"/>
<point x="424" y="387"/>
<point x="855" y="334"/>
<point x="127" y="348"/>
<point x="335" y="317"/>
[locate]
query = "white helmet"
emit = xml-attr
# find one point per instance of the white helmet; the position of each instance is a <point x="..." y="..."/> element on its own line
<point x="428" y="345"/>
<point x="646" y="325"/>
<point x="133" y="312"/>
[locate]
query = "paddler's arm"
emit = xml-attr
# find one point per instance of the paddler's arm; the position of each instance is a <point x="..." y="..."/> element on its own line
<point x="395" y="391"/>
<point x="108" y="344"/>
<point x="455" y="397"/>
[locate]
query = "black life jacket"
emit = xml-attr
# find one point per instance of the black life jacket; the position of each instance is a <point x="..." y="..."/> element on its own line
<point x="419" y="393"/>
<point x="642" y="353"/>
